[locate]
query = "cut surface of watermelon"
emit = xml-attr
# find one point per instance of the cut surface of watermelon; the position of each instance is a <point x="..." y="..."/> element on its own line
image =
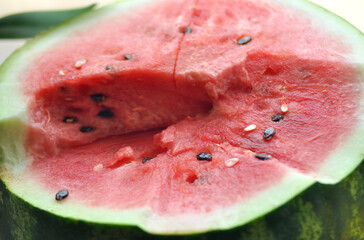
<point x="182" y="116"/>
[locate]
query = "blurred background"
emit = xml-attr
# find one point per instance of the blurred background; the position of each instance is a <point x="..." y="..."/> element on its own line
<point x="352" y="10"/>
<point x="16" y="6"/>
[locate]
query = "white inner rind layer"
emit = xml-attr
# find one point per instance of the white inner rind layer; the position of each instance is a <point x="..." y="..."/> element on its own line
<point x="242" y="212"/>
<point x="13" y="123"/>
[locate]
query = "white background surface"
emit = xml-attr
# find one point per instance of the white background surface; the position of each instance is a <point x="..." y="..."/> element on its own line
<point x="351" y="10"/>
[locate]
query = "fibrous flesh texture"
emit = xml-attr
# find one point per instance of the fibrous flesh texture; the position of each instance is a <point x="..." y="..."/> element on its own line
<point x="123" y="132"/>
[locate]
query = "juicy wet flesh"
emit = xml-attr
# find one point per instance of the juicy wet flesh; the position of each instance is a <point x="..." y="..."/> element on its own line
<point x="96" y="107"/>
<point x="170" y="103"/>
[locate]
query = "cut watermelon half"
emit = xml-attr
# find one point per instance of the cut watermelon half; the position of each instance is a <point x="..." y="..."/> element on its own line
<point x="182" y="117"/>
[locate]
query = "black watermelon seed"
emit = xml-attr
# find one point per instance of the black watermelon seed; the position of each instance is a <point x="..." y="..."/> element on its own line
<point x="105" y="114"/>
<point x="98" y="97"/>
<point x="204" y="156"/>
<point x="269" y="132"/>
<point x="187" y="30"/>
<point x="109" y="68"/>
<point x="128" y="57"/>
<point x="69" y="119"/>
<point x="263" y="156"/>
<point x="86" y="129"/>
<point x="146" y="160"/>
<point x="60" y="195"/>
<point x="277" y="117"/>
<point x="244" y="40"/>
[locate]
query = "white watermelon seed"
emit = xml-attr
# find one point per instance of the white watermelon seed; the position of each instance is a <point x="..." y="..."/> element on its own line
<point x="79" y="63"/>
<point x="284" y="108"/>
<point x="231" y="162"/>
<point x="98" y="167"/>
<point x="251" y="127"/>
<point x="61" y="73"/>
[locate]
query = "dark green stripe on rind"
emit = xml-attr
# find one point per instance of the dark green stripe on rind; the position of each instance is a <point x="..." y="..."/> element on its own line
<point x="320" y="213"/>
<point x="29" y="24"/>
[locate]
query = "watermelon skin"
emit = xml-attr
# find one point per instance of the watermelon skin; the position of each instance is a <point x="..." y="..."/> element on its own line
<point x="321" y="212"/>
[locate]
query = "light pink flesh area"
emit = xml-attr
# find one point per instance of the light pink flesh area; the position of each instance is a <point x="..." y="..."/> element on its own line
<point x="186" y="93"/>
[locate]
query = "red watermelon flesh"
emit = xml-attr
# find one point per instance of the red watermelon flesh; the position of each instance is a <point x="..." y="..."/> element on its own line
<point x="128" y="89"/>
<point x="182" y="94"/>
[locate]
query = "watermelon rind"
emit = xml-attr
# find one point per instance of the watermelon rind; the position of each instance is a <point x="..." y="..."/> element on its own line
<point x="13" y="120"/>
<point x="349" y="154"/>
<point x="226" y="218"/>
<point x="321" y="212"/>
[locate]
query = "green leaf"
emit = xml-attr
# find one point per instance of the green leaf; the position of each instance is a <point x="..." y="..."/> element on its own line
<point x="29" y="24"/>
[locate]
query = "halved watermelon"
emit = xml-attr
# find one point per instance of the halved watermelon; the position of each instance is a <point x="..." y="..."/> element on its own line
<point x="180" y="117"/>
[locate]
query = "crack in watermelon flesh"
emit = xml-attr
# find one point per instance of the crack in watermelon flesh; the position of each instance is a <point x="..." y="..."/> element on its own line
<point x="183" y="94"/>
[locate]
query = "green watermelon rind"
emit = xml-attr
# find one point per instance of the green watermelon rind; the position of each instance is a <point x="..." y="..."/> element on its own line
<point x="13" y="122"/>
<point x="321" y="212"/>
<point x="292" y="184"/>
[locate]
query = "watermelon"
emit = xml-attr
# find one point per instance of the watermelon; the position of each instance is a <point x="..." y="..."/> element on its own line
<point x="183" y="117"/>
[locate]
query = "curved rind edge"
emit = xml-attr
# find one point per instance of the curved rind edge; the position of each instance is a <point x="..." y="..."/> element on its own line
<point x="13" y="102"/>
<point x="25" y="187"/>
<point x="12" y="151"/>
<point x="16" y="64"/>
<point x="241" y="213"/>
<point x="320" y="212"/>
<point x="143" y="217"/>
<point x="338" y="26"/>
<point x="350" y="152"/>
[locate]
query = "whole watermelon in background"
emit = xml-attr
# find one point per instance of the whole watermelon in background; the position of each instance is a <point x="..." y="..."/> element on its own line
<point x="182" y="117"/>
